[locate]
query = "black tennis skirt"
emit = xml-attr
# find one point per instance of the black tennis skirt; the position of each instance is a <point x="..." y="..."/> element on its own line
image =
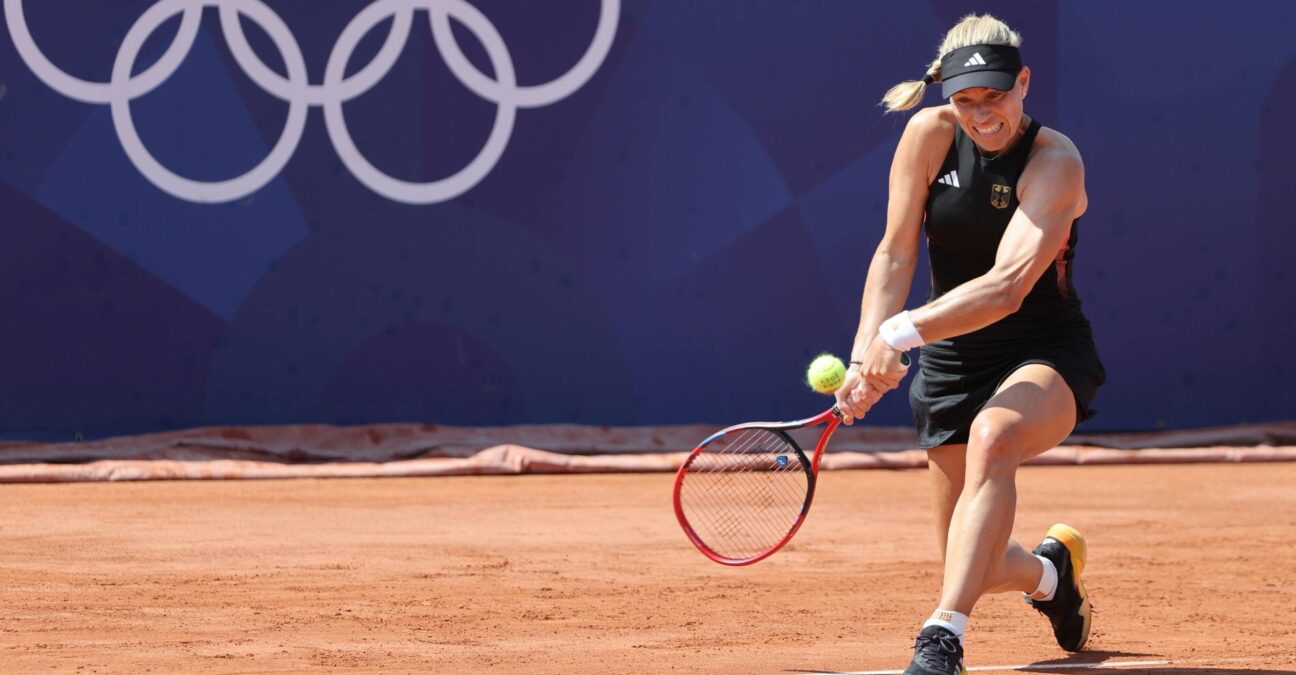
<point x="957" y="377"/>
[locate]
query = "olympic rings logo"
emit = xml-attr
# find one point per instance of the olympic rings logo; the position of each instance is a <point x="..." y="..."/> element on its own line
<point x="299" y="93"/>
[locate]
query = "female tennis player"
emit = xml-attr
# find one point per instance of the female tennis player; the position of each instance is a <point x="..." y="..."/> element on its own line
<point x="1008" y="365"/>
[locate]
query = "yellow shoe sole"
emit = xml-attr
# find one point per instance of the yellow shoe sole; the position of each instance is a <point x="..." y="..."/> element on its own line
<point x="1075" y="544"/>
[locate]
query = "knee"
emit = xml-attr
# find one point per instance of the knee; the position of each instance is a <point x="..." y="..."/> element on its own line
<point x="993" y="449"/>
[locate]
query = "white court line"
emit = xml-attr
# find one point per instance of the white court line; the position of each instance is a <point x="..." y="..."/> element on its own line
<point x="1034" y="666"/>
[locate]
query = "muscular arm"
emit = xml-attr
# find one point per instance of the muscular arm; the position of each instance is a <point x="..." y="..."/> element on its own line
<point x="891" y="272"/>
<point x="1052" y="196"/>
<point x="919" y="155"/>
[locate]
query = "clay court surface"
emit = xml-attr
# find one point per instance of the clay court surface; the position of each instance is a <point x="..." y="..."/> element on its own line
<point x="1190" y="565"/>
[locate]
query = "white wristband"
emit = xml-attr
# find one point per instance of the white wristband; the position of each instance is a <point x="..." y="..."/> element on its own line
<point x="900" y="333"/>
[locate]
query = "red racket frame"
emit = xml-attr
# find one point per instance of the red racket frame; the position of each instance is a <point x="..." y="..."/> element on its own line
<point x="832" y="416"/>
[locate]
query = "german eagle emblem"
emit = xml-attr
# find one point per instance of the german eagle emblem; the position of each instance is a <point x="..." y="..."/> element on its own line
<point x="999" y="195"/>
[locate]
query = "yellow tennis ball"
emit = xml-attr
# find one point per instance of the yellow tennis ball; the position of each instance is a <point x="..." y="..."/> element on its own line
<point x="826" y="373"/>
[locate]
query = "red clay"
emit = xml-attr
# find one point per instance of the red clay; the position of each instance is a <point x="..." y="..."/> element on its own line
<point x="589" y="574"/>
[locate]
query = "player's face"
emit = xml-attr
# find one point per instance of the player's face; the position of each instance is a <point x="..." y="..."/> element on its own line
<point x="992" y="117"/>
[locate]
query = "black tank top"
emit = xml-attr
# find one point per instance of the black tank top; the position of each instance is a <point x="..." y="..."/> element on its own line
<point x="968" y="208"/>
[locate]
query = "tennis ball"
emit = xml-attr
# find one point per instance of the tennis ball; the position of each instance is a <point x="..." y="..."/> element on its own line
<point x="826" y="373"/>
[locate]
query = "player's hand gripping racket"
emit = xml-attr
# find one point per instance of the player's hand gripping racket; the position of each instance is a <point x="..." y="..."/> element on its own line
<point x="743" y="493"/>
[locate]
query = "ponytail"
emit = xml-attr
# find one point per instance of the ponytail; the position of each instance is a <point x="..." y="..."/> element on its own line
<point x="908" y="94"/>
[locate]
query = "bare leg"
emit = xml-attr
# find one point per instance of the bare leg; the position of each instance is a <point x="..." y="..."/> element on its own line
<point x="1033" y="411"/>
<point x="946" y="464"/>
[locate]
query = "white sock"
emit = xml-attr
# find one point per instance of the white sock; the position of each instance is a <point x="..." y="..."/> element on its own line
<point x="1048" y="581"/>
<point x="950" y="620"/>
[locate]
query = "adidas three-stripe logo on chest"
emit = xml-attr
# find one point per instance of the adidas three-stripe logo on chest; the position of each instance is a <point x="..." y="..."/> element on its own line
<point x="950" y="178"/>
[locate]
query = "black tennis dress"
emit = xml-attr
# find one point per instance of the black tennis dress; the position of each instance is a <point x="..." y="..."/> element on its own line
<point x="968" y="209"/>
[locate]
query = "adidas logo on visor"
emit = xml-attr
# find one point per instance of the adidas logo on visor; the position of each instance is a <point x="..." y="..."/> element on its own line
<point x="950" y="178"/>
<point x="976" y="60"/>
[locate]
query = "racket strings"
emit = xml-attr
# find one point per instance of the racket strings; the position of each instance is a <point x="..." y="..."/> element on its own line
<point x="743" y="494"/>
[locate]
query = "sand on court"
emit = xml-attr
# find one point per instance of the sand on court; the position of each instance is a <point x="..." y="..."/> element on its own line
<point x="590" y="574"/>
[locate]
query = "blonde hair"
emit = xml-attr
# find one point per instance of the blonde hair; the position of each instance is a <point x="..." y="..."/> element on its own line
<point x="973" y="29"/>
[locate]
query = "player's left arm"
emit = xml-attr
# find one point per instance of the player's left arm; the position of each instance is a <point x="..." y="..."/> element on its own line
<point x="1052" y="196"/>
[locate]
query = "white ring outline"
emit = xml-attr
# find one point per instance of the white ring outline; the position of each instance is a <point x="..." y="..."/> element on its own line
<point x="166" y="179"/>
<point x="101" y="92"/>
<point x="444" y="188"/>
<point x="330" y="94"/>
<point x="531" y="96"/>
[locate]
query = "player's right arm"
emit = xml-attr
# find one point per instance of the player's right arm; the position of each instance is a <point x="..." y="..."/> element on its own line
<point x="917" y="159"/>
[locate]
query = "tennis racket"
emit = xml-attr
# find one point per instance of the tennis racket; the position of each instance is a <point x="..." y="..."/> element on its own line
<point x="744" y="491"/>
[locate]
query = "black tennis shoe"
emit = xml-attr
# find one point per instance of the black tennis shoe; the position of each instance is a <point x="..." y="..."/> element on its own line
<point x="937" y="651"/>
<point x="1069" y="610"/>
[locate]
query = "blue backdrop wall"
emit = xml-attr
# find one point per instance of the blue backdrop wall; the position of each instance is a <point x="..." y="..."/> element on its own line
<point x="666" y="232"/>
